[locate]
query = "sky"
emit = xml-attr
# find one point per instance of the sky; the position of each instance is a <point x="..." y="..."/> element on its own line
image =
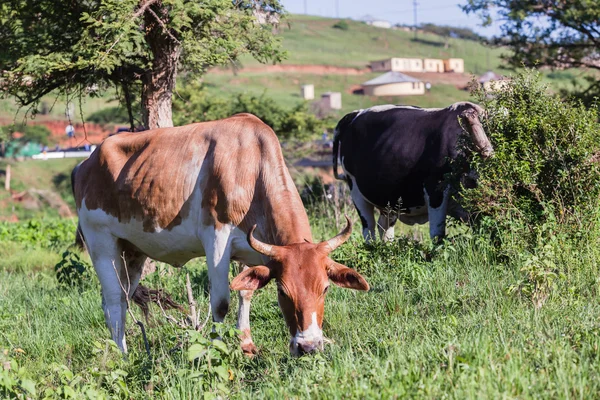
<point x="440" y="12"/>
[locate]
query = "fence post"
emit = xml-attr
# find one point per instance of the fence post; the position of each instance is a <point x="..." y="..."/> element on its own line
<point x="7" y="178"/>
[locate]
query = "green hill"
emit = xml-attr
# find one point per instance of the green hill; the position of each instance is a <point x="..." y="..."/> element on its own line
<point x="313" y="40"/>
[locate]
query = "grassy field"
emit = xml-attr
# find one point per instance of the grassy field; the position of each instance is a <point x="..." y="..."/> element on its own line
<point x="313" y="40"/>
<point x="438" y="322"/>
<point x="285" y="88"/>
<point x="37" y="177"/>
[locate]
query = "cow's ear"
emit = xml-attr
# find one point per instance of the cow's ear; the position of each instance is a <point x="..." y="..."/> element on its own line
<point x="346" y="277"/>
<point x="252" y="278"/>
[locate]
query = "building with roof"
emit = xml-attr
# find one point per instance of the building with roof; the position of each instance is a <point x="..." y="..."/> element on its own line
<point x="492" y="81"/>
<point x="398" y="64"/>
<point x="433" y="65"/>
<point x="379" y="23"/>
<point x="393" y="83"/>
<point x="454" y="65"/>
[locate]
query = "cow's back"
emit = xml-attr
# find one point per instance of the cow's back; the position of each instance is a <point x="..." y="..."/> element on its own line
<point x="152" y="175"/>
<point x="391" y="152"/>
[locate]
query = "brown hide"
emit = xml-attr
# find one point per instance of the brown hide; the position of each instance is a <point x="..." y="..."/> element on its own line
<point x="150" y="176"/>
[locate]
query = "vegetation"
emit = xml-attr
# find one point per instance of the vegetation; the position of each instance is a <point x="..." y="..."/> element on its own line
<point x="312" y="40"/>
<point x="134" y="46"/>
<point x="29" y="133"/>
<point x="452" y="31"/>
<point x="110" y="115"/>
<point x="194" y="104"/>
<point x="558" y="34"/>
<point x="341" y="24"/>
<point x="505" y="309"/>
<point x="545" y="166"/>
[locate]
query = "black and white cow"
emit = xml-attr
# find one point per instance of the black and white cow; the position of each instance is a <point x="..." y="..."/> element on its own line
<point x="395" y="157"/>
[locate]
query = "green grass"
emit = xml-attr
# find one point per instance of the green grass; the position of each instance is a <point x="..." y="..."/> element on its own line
<point x="438" y="322"/>
<point x="49" y="176"/>
<point x="285" y="88"/>
<point x="313" y="40"/>
<point x="56" y="104"/>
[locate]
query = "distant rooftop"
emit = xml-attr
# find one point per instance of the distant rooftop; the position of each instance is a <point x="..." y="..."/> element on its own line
<point x="391" y="77"/>
<point x="490" y="76"/>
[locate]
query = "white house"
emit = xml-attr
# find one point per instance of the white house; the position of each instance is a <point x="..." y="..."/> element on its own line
<point x="393" y="83"/>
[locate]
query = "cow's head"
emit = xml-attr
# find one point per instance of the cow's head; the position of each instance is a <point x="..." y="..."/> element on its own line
<point x="302" y="272"/>
<point x="469" y="115"/>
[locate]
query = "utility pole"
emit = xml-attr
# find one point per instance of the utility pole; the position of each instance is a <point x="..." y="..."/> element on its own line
<point x="415" y="13"/>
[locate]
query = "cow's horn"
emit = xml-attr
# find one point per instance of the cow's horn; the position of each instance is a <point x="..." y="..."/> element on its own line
<point x="268" y="250"/>
<point x="340" y="238"/>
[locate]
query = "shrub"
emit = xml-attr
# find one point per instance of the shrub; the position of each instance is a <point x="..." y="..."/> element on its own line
<point x="110" y="115"/>
<point x="31" y="133"/>
<point x="194" y="104"/>
<point x="341" y="24"/>
<point x="544" y="176"/>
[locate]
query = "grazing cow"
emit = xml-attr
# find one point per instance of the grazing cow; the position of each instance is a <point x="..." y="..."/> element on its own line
<point x="217" y="189"/>
<point x="394" y="159"/>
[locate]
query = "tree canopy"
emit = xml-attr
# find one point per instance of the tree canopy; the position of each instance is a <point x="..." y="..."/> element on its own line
<point x="554" y="33"/>
<point x="83" y="47"/>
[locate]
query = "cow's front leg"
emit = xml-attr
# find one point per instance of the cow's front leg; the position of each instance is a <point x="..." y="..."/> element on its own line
<point x="385" y="225"/>
<point x="437" y="207"/>
<point x="243" y="321"/>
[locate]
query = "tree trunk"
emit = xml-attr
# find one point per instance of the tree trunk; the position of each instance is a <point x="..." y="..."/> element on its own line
<point x="158" y="83"/>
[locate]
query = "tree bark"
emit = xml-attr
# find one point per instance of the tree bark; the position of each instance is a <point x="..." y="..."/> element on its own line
<point x="159" y="82"/>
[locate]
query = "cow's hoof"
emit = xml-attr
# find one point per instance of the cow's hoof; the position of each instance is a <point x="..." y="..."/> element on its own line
<point x="249" y="349"/>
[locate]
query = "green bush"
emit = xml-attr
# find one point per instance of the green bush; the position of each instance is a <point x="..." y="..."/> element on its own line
<point x="110" y="115"/>
<point x="342" y="25"/>
<point x="544" y="176"/>
<point x="31" y="133"/>
<point x="194" y="104"/>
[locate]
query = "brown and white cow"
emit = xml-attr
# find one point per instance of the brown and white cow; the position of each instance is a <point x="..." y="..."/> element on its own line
<point x="217" y="189"/>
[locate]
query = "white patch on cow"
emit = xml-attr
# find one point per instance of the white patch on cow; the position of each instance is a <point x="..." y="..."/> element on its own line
<point x="385" y="226"/>
<point x="310" y="339"/>
<point x="437" y="216"/>
<point x="106" y="255"/>
<point x="380" y="108"/>
<point x="366" y="209"/>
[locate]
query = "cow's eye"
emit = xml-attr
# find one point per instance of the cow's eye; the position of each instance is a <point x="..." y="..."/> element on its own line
<point x="325" y="290"/>
<point x="281" y="291"/>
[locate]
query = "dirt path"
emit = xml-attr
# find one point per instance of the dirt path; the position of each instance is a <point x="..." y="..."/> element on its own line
<point x="303" y="69"/>
<point x="451" y="78"/>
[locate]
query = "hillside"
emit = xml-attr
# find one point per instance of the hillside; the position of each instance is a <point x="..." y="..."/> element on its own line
<point x="313" y="40"/>
<point x="332" y="60"/>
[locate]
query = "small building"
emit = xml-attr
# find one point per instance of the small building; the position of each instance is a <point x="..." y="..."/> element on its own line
<point x="307" y="92"/>
<point x="492" y="81"/>
<point x="454" y="65"/>
<point x="331" y="101"/>
<point x="379" y="23"/>
<point x="393" y="83"/>
<point x="433" y="65"/>
<point x="398" y="64"/>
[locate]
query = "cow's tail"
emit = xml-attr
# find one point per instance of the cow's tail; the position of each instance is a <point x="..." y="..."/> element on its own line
<point x="79" y="242"/>
<point x="339" y="130"/>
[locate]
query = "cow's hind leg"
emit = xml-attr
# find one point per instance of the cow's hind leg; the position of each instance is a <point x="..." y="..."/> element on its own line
<point x="437" y="207"/>
<point x="243" y="322"/>
<point x="106" y="252"/>
<point x="217" y="246"/>
<point x="385" y="225"/>
<point x="366" y="211"/>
